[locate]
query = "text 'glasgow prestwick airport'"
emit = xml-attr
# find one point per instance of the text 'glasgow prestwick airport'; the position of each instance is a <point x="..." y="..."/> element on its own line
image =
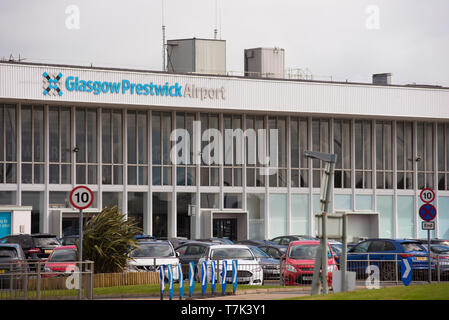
<point x="127" y="87"/>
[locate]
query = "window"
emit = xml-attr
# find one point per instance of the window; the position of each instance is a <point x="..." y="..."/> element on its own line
<point x="404" y="151"/>
<point x="443" y="156"/>
<point x="33" y="146"/>
<point x="60" y="146"/>
<point x="342" y="148"/>
<point x="362" y="247"/>
<point x="255" y="149"/>
<point x="232" y="200"/>
<point x="299" y="143"/>
<point x="425" y="153"/>
<point x="8" y="144"/>
<point x="86" y="142"/>
<point x="320" y="143"/>
<point x="384" y="155"/>
<point x="277" y="178"/>
<point x="112" y="146"/>
<point x="137" y="147"/>
<point x="185" y="169"/>
<point x="232" y="151"/>
<point x="161" y="147"/>
<point x="210" y="156"/>
<point x="363" y="154"/>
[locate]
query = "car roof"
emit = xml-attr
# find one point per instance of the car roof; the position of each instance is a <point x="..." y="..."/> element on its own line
<point x="304" y="242"/>
<point x="230" y="246"/>
<point x="11" y="245"/>
<point x="197" y="242"/>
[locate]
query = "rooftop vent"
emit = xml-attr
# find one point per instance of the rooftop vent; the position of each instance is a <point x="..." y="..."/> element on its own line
<point x="264" y="62"/>
<point x="382" y="78"/>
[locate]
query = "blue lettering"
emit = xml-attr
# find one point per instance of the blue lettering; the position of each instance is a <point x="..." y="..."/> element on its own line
<point x="178" y="90"/>
<point x="69" y="83"/>
<point x="146" y="87"/>
<point x="105" y="87"/>
<point x="89" y="86"/>
<point x="139" y="89"/>
<point x="151" y="88"/>
<point x="125" y="85"/>
<point x="97" y="87"/>
<point x="114" y="87"/>
<point x="82" y="86"/>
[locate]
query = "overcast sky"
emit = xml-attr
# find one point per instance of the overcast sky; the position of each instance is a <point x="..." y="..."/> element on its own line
<point x="343" y="39"/>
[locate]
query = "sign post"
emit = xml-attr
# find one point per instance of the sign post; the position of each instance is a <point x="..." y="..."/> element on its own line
<point x="81" y="198"/>
<point x="428" y="212"/>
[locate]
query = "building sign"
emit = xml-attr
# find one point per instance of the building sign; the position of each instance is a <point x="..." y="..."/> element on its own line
<point x="55" y="85"/>
<point x="5" y="224"/>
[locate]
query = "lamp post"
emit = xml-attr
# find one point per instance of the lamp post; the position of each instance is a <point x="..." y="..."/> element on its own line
<point x="326" y="187"/>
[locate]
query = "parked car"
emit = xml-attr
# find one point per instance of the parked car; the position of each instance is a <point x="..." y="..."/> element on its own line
<point x="256" y="243"/>
<point x="336" y="249"/>
<point x="387" y="255"/>
<point x="270" y="266"/>
<point x="444" y="242"/>
<point x="191" y="251"/>
<point x="69" y="240"/>
<point x="12" y="265"/>
<point x="299" y="262"/>
<point x="61" y="262"/>
<point x="36" y="247"/>
<point x="249" y="270"/>
<point x="285" y="240"/>
<point x="216" y="240"/>
<point x="440" y="258"/>
<point x="144" y="238"/>
<point x="149" y="256"/>
<point x="274" y="250"/>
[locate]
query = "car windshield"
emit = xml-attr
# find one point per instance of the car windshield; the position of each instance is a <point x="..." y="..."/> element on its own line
<point x="153" y="250"/>
<point x="8" y="253"/>
<point x="283" y="250"/>
<point x="304" y="251"/>
<point x="46" y="242"/>
<point x="258" y="253"/>
<point x="336" y="247"/>
<point x="231" y="253"/>
<point x="412" y="246"/>
<point x="63" y="255"/>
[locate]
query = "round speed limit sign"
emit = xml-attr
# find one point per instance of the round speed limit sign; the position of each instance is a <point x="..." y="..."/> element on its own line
<point x="81" y="197"/>
<point x="427" y="195"/>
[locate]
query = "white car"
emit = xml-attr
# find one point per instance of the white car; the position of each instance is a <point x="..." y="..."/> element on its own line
<point x="149" y="256"/>
<point x="249" y="270"/>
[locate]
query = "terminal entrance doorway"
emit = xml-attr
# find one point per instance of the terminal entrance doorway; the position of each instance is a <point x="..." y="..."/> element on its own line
<point x="225" y="228"/>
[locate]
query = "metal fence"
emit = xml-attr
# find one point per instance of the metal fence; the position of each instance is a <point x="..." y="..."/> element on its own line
<point x="39" y="280"/>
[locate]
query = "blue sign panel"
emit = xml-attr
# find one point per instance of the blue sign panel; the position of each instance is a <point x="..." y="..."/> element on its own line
<point x="191" y="277"/>
<point x="162" y="278"/>
<point x="170" y="281"/>
<point x="212" y="274"/>
<point x="427" y="212"/>
<point x="203" y="277"/>
<point x="5" y="224"/>
<point x="224" y="271"/>
<point x="181" y="281"/>
<point x="406" y="271"/>
<point x="234" y="275"/>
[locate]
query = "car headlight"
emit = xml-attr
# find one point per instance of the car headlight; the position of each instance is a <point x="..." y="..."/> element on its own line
<point x="290" y="268"/>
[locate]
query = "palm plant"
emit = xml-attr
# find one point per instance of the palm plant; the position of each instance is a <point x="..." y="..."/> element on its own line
<point x="108" y="238"/>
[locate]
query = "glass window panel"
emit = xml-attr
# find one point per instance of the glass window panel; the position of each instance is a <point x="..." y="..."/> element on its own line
<point x="143" y="175"/>
<point x="106" y="136"/>
<point x="54" y="173"/>
<point x="11" y="172"/>
<point x="132" y="139"/>
<point x="118" y="174"/>
<point x="117" y="136"/>
<point x="80" y="174"/>
<point x="92" y="135"/>
<point x="38" y="113"/>
<point x="156" y="176"/>
<point x="10" y="133"/>
<point x="180" y="176"/>
<point x="66" y="150"/>
<point x="278" y="215"/>
<point x="166" y="143"/>
<point x="142" y="137"/>
<point x="66" y="174"/>
<point x="27" y="173"/>
<point x="80" y="135"/>
<point x="27" y="138"/>
<point x="232" y="200"/>
<point x="107" y="174"/>
<point x="156" y="138"/>
<point x="38" y="173"/>
<point x="53" y="118"/>
<point x="2" y="127"/>
<point x="294" y="143"/>
<point x="92" y="174"/>
<point x="132" y="175"/>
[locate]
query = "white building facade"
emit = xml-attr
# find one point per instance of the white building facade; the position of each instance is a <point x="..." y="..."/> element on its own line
<point x="110" y="129"/>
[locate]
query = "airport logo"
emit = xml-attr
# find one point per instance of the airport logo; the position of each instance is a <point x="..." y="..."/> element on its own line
<point x="51" y="84"/>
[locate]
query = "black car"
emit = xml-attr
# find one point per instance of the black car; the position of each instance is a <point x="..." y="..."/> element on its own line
<point x="275" y="251"/>
<point x="285" y="240"/>
<point x="270" y="266"/>
<point x="191" y="251"/>
<point x="256" y="243"/>
<point x="12" y="265"/>
<point x="35" y="246"/>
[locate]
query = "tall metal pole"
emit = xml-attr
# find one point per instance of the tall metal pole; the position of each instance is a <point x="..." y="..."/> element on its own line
<point x="428" y="256"/>
<point x="80" y="257"/>
<point x="343" y="255"/>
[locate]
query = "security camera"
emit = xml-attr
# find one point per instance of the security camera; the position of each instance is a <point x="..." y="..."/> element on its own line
<point x="76" y="149"/>
<point x="418" y="158"/>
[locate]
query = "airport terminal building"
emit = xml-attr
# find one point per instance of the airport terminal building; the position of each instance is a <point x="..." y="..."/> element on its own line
<point x="116" y="131"/>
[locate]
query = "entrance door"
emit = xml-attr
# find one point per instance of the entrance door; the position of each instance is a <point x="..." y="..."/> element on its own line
<point x="225" y="228"/>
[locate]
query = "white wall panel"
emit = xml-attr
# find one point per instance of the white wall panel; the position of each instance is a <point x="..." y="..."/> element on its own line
<point x="25" y="82"/>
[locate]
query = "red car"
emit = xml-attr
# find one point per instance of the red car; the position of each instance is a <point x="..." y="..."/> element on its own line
<point x="62" y="261"/>
<point x="299" y="261"/>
